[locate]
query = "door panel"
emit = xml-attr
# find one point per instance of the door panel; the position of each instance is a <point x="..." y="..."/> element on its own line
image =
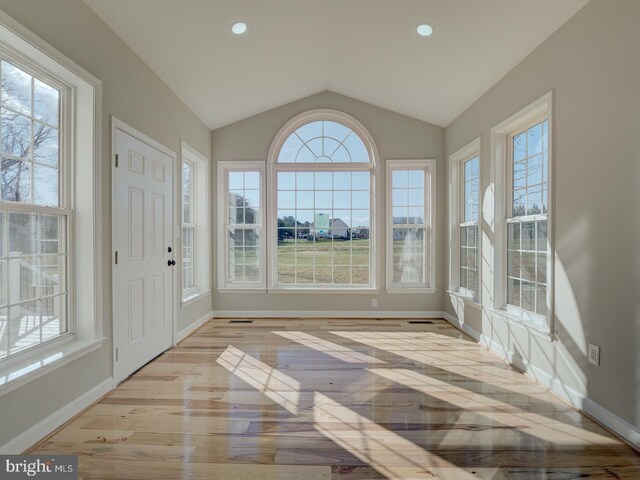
<point x="142" y="278"/>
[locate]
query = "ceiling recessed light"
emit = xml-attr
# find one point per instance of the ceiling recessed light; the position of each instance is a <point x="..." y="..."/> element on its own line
<point x="425" y="30"/>
<point x="239" y="28"/>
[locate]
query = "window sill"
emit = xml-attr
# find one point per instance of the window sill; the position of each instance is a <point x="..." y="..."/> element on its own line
<point x="194" y="297"/>
<point x="468" y="299"/>
<point x="525" y="324"/>
<point x="242" y="290"/>
<point x="42" y="362"/>
<point x="411" y="290"/>
<point x="325" y="291"/>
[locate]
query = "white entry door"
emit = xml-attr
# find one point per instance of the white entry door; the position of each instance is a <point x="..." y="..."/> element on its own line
<point x="143" y="258"/>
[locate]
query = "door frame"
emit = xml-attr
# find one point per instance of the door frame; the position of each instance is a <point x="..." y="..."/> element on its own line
<point x="117" y="124"/>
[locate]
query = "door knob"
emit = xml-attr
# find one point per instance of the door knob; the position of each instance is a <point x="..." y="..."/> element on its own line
<point x="171" y="263"/>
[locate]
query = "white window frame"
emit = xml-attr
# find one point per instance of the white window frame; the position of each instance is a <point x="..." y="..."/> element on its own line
<point x="272" y="172"/>
<point x="456" y="215"/>
<point x="200" y="201"/>
<point x="191" y="225"/>
<point x="223" y="238"/>
<point x="501" y="170"/>
<point x="429" y="168"/>
<point x="64" y="209"/>
<point x="82" y="116"/>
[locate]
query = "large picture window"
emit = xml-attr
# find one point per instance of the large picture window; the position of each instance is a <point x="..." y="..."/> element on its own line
<point x="323" y="214"/>
<point x="34" y="214"/>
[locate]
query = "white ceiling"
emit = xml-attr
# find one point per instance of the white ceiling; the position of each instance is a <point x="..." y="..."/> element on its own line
<point x="366" y="49"/>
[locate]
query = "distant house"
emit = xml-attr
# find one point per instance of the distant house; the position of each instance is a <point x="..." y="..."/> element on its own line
<point x="361" y="233"/>
<point x="337" y="229"/>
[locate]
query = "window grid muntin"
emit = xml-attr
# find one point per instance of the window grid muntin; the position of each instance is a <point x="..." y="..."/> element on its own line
<point x="424" y="226"/>
<point x="468" y="227"/>
<point x="188" y="257"/>
<point x="277" y="165"/>
<point x="305" y="144"/>
<point x="536" y="218"/>
<point x="544" y="174"/>
<point x="539" y="259"/>
<point x="230" y="227"/>
<point x="189" y="228"/>
<point x="38" y="266"/>
<point x="333" y="171"/>
<point x="29" y="159"/>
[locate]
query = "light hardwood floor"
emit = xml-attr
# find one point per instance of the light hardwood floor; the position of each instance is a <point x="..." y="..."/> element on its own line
<point x="336" y="399"/>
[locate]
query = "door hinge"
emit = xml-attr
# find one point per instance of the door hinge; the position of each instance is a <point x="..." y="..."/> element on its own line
<point x="116" y="257"/>
<point x="117" y="160"/>
<point x="117" y="352"/>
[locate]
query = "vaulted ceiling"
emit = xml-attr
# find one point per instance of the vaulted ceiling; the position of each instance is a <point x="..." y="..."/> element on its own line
<point x="366" y="49"/>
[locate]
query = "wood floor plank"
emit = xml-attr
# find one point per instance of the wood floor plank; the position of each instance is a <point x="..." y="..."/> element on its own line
<point x="336" y="399"/>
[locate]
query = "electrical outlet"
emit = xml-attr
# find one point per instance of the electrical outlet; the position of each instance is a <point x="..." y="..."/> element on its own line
<point x="374" y="303"/>
<point x="594" y="354"/>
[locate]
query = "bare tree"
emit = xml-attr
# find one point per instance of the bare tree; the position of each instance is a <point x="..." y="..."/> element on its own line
<point x="18" y="139"/>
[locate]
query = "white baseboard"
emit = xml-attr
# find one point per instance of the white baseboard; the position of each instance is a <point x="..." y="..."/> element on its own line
<point x="324" y="314"/>
<point x="465" y="327"/>
<point x="630" y="433"/>
<point x="43" y="428"/>
<point x="192" y="327"/>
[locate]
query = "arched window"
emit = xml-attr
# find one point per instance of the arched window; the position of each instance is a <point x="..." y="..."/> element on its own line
<point x="322" y="178"/>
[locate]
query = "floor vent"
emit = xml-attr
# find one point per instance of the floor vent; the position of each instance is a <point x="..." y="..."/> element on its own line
<point x="240" y="321"/>
<point x="420" y="322"/>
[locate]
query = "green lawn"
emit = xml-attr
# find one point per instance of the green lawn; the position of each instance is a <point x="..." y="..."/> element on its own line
<point x="337" y="262"/>
<point x="323" y="261"/>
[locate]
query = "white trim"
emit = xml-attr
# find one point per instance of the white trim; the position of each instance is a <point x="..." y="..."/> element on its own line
<point x="465" y="327"/>
<point x="467" y="299"/>
<point x="40" y="430"/>
<point x="471" y="150"/>
<point x="322" y="290"/>
<point x="81" y="141"/>
<point x="499" y="162"/>
<point x="327" y="115"/>
<point x="430" y="222"/>
<point x="628" y="432"/>
<point x="196" y="296"/>
<point x="398" y="289"/>
<point x="201" y="217"/>
<point x="117" y="124"/>
<point x="353" y="314"/>
<point x="524" y="324"/>
<point x="193" y="326"/>
<point x="44" y="361"/>
<point x="271" y="228"/>
<point x="223" y="238"/>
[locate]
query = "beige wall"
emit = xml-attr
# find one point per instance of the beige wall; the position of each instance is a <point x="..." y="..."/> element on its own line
<point x="134" y="94"/>
<point x="591" y="64"/>
<point x="397" y="137"/>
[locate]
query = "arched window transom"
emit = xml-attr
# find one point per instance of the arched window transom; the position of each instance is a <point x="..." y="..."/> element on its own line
<point x="323" y="141"/>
